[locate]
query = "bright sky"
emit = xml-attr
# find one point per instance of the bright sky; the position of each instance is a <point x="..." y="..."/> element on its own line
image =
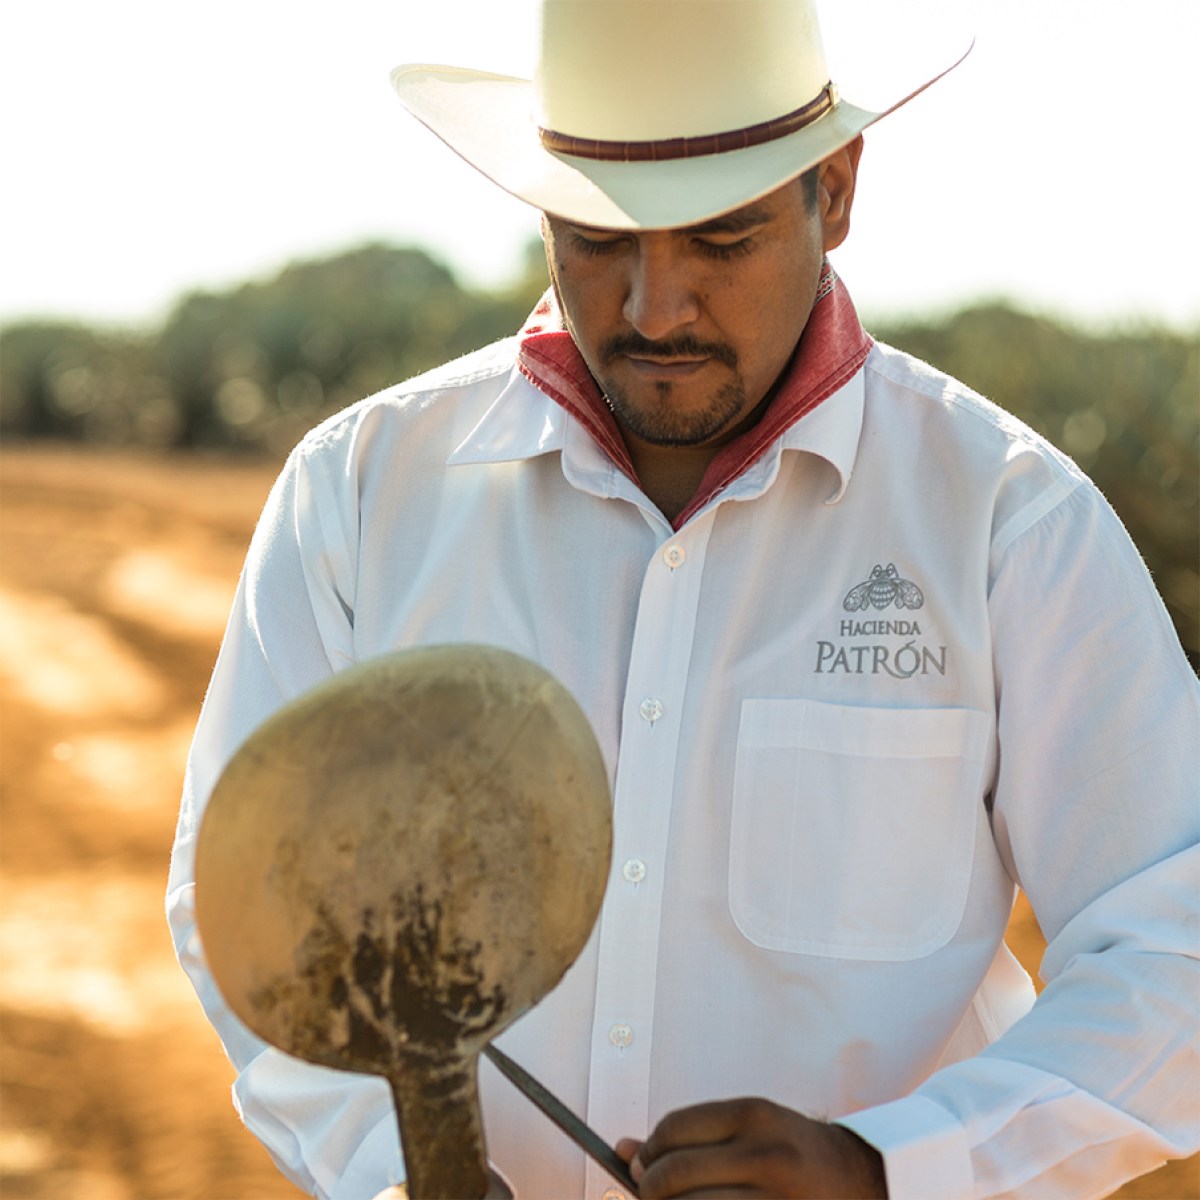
<point x="150" y="148"/>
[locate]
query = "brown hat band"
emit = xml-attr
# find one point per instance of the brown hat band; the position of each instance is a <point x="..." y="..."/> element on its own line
<point x="693" y="147"/>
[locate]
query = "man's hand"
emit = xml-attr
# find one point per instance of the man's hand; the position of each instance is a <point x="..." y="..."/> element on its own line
<point x="753" y="1148"/>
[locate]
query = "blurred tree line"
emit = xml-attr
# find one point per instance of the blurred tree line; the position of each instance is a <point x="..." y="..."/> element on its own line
<point x="255" y="367"/>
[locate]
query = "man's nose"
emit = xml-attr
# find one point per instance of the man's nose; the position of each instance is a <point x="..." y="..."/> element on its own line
<point x="661" y="296"/>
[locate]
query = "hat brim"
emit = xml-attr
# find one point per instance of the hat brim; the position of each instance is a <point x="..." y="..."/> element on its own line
<point x="487" y="120"/>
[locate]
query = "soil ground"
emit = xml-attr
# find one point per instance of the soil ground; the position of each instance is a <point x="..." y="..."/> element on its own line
<point x="116" y="575"/>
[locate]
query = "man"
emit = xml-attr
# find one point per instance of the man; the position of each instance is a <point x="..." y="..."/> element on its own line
<point x="863" y="654"/>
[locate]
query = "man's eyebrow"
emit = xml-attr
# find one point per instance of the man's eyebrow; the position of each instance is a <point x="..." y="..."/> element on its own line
<point x="734" y="222"/>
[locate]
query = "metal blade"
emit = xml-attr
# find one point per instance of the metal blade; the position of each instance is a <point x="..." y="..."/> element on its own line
<point x="581" y="1134"/>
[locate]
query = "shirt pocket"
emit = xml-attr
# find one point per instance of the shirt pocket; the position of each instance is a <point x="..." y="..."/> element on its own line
<point x="853" y="829"/>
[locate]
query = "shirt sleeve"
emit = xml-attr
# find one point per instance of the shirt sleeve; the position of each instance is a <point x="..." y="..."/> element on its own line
<point x="1095" y="811"/>
<point x="330" y="1132"/>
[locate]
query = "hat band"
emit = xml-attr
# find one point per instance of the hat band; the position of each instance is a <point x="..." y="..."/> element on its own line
<point x="693" y="147"/>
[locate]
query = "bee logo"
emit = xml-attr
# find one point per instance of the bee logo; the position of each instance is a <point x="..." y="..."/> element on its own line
<point x="883" y="589"/>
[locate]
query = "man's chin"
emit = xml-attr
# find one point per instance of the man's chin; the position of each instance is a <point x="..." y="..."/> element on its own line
<point x="668" y="440"/>
<point x="666" y="422"/>
<point x="671" y="434"/>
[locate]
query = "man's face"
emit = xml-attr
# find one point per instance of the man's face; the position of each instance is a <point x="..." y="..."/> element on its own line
<point x="686" y="330"/>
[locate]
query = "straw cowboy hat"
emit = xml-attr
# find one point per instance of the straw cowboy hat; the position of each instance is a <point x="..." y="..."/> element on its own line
<point x="651" y="114"/>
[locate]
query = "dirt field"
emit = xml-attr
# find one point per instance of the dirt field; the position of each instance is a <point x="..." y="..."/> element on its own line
<point x="115" y="578"/>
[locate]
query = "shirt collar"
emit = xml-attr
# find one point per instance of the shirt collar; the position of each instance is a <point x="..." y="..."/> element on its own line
<point x="522" y="422"/>
<point x="831" y="431"/>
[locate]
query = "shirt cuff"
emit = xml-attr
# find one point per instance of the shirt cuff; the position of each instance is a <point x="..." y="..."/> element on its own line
<point x="925" y="1151"/>
<point x="369" y="1172"/>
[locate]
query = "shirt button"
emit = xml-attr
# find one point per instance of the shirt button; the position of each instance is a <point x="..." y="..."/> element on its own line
<point x="620" y="1036"/>
<point x="674" y="556"/>
<point x="634" y="870"/>
<point x="651" y="709"/>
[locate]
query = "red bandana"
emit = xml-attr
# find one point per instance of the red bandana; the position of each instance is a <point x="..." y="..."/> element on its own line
<point x="831" y="349"/>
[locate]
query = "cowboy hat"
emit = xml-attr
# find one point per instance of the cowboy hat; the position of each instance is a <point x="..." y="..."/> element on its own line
<point x="652" y="114"/>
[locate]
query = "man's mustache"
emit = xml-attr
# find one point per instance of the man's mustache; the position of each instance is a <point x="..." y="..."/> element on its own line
<point x="684" y="346"/>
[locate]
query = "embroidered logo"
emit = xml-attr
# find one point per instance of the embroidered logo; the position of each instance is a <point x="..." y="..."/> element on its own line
<point x="881" y="646"/>
<point x="882" y="590"/>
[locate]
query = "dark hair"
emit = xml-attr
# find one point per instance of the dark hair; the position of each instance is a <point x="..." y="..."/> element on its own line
<point x="808" y="181"/>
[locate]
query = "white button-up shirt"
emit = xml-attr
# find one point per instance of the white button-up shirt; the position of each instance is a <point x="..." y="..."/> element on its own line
<point x="904" y="662"/>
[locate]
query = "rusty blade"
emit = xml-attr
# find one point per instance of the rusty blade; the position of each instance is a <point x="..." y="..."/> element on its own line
<point x="581" y="1134"/>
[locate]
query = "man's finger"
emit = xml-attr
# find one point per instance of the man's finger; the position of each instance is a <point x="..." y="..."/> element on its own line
<point x="626" y="1148"/>
<point x="730" y="1167"/>
<point x="703" y="1124"/>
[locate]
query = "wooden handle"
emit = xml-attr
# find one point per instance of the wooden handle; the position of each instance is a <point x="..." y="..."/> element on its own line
<point x="441" y="1132"/>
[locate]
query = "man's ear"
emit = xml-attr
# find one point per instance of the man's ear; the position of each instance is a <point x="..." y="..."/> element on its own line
<point x="836" y="179"/>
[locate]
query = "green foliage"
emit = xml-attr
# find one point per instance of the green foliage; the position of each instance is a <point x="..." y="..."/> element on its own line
<point x="255" y="367"/>
<point x="259" y="366"/>
<point x="66" y="381"/>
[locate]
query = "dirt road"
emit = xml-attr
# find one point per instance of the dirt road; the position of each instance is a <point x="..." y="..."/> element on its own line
<point x="115" y="578"/>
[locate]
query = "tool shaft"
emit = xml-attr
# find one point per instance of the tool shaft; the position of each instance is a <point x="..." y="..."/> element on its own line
<point x="581" y="1134"/>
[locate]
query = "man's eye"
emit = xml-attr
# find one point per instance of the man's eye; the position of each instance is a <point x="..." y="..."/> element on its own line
<point x="594" y="243"/>
<point x="725" y="249"/>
